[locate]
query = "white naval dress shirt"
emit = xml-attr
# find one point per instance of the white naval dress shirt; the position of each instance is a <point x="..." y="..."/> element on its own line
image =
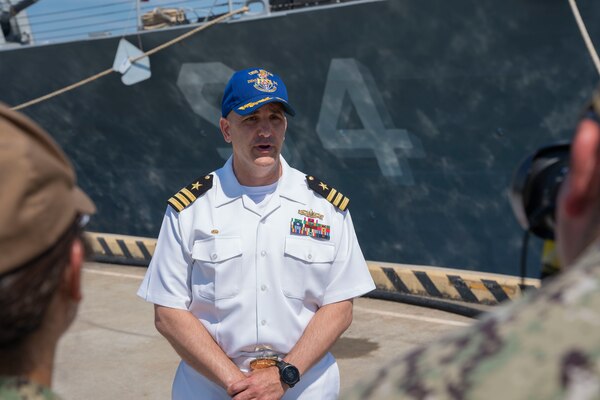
<point x="237" y="267"/>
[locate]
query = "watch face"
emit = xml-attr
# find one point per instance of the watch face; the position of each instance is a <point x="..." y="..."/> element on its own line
<point x="290" y="375"/>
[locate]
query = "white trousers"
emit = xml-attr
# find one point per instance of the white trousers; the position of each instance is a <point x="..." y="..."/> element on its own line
<point x="320" y="382"/>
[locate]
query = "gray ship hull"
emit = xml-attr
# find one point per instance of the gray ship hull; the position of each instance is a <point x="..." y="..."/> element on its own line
<point x="417" y="112"/>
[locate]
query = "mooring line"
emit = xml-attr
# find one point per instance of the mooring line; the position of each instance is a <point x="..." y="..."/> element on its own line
<point x="131" y="60"/>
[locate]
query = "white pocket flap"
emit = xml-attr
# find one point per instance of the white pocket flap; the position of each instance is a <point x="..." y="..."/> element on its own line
<point x="217" y="249"/>
<point x="309" y="250"/>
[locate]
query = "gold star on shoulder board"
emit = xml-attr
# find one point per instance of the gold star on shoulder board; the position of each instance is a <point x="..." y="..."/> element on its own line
<point x="330" y="194"/>
<point x="189" y="194"/>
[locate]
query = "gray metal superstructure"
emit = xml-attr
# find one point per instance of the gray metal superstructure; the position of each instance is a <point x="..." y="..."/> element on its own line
<point x="14" y="23"/>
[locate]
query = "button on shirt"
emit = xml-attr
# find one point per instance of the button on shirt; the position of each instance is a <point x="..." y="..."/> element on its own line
<point x="236" y="266"/>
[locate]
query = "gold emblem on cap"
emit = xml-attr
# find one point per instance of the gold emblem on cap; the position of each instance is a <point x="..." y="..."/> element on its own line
<point x="214" y="231"/>
<point x="254" y="103"/>
<point x="263" y="82"/>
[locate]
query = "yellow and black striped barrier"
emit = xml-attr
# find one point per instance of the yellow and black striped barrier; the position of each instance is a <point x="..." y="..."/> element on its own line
<point x="440" y="283"/>
<point x="449" y="284"/>
<point x="121" y="249"/>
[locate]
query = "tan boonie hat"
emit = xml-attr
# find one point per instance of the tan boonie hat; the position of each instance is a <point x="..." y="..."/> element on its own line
<point x="39" y="198"/>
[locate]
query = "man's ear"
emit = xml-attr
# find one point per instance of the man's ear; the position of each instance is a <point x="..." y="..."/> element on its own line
<point x="224" y="125"/>
<point x="72" y="274"/>
<point x="584" y="169"/>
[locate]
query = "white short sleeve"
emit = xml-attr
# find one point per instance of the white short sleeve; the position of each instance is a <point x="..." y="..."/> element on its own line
<point x="167" y="280"/>
<point x="350" y="275"/>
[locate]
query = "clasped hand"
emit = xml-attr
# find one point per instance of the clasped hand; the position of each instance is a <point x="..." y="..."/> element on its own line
<point x="261" y="384"/>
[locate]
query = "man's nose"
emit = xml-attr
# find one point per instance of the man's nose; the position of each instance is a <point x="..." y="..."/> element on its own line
<point x="265" y="129"/>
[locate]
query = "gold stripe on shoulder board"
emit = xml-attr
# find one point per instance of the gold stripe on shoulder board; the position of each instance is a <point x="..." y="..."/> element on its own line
<point x="330" y="194"/>
<point x="344" y="204"/>
<point x="175" y="204"/>
<point x="186" y="196"/>
<point x="183" y="199"/>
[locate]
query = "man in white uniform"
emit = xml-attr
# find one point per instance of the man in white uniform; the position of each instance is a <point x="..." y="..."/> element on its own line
<point x="256" y="264"/>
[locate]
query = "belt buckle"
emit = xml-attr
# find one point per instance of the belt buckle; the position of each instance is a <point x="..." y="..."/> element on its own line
<point x="263" y="362"/>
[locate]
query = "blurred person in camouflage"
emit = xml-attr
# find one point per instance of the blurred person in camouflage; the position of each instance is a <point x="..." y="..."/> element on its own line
<point x="543" y="346"/>
<point x="42" y="212"/>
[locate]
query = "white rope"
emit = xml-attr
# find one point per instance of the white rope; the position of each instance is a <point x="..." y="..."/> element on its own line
<point x="131" y="59"/>
<point x="585" y="35"/>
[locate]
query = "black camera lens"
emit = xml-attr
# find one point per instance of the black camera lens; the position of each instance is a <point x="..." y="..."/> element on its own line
<point x="535" y="188"/>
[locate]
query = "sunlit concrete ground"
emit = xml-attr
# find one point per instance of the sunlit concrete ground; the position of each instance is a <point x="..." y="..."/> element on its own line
<point x="112" y="351"/>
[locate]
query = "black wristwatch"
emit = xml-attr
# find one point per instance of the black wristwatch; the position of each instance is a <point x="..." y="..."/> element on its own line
<point x="288" y="373"/>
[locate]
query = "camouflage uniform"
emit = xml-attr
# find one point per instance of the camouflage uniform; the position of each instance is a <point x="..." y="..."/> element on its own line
<point x="544" y="346"/>
<point x="18" y="388"/>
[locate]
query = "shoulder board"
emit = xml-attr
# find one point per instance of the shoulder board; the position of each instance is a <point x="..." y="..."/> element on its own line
<point x="190" y="193"/>
<point x="331" y="195"/>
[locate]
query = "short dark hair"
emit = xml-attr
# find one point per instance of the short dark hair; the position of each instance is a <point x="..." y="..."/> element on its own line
<point x="25" y="292"/>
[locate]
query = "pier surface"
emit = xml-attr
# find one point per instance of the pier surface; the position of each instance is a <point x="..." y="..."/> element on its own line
<point x="113" y="351"/>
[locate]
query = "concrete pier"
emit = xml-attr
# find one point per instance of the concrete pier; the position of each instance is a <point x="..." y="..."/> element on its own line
<point x="113" y="351"/>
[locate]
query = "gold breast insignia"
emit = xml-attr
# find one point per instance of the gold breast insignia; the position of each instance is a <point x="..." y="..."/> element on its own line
<point x="311" y="214"/>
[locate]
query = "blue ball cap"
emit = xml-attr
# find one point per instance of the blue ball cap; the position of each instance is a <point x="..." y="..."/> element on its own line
<point x="252" y="88"/>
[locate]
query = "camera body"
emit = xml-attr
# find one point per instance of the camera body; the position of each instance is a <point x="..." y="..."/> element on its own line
<point x="535" y="186"/>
